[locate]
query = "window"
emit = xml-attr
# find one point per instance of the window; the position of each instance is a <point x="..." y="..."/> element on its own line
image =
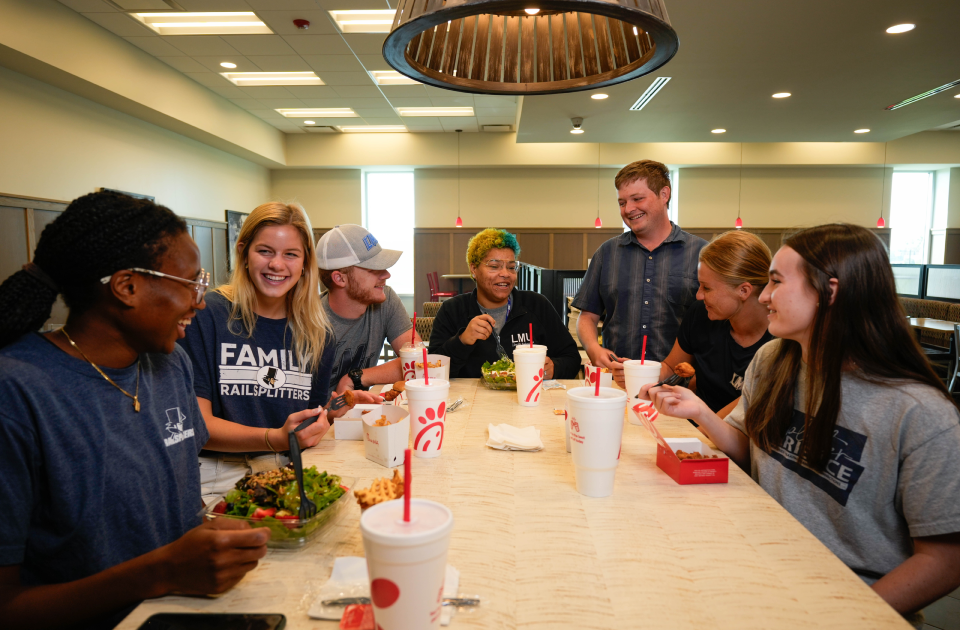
<point x="911" y="207"/>
<point x="389" y="215"/>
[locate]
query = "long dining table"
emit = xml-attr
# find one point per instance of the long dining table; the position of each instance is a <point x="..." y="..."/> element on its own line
<point x="655" y="554"/>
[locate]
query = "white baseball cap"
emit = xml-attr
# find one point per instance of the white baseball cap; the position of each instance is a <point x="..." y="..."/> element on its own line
<point x="350" y="245"/>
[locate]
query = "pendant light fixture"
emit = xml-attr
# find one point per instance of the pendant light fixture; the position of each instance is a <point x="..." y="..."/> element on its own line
<point x="521" y="47"/>
<point x="739" y="222"/>
<point x="459" y="220"/>
<point x="598" y="223"/>
<point x="883" y="186"/>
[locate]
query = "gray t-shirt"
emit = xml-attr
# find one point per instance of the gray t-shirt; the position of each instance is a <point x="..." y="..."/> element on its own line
<point x="359" y="341"/>
<point x="894" y="473"/>
<point x="499" y="315"/>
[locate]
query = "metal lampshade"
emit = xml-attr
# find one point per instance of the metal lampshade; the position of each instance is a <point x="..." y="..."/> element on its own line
<point x="497" y="47"/>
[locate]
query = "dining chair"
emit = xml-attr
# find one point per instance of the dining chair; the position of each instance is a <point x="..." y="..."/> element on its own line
<point x="436" y="294"/>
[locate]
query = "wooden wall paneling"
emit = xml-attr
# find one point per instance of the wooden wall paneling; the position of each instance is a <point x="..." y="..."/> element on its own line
<point x="951" y="247"/>
<point x="14" y="252"/>
<point x="460" y="241"/>
<point x="431" y="253"/>
<point x="534" y="248"/>
<point x="596" y="239"/>
<point x="568" y="251"/>
<point x="219" y="275"/>
<point x="550" y="266"/>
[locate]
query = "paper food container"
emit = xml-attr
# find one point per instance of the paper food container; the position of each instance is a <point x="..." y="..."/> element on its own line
<point x="349" y="426"/>
<point x="385" y="445"/>
<point x="687" y="471"/>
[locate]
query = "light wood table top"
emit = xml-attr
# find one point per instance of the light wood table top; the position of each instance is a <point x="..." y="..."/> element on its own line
<point x="932" y="324"/>
<point x="653" y="555"/>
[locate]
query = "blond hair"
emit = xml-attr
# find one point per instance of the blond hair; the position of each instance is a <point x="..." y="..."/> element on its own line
<point x="656" y="174"/>
<point x="738" y="257"/>
<point x="305" y="316"/>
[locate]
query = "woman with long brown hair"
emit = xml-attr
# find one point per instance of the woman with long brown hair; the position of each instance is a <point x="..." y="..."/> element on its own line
<point x="262" y="351"/>
<point x="843" y="421"/>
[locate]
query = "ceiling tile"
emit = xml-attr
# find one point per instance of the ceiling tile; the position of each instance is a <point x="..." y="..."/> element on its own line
<point x="366" y="43"/>
<point x="435" y="92"/>
<point x="312" y="91"/>
<point x="281" y="22"/>
<point x="383" y="121"/>
<point x="404" y="91"/>
<point x="259" y="44"/>
<point x="200" y="45"/>
<point x="281" y="103"/>
<point x="332" y="122"/>
<point x="318" y="44"/>
<point x="495" y="111"/>
<point x="489" y="100"/>
<point x="119" y="24"/>
<point x="280" y="5"/>
<point x="247" y="103"/>
<point x="374" y="62"/>
<point x="262" y="92"/>
<point x="497" y="120"/>
<point x="183" y="64"/>
<point x="280" y="63"/>
<point x="358" y="91"/>
<point x="214" y="5"/>
<point x="431" y="129"/>
<point x="411" y="102"/>
<point x="268" y="114"/>
<point x="213" y="63"/>
<point x="324" y="102"/>
<point x="335" y="63"/>
<point x="155" y="46"/>
<point x="421" y="121"/>
<point x="228" y="92"/>
<point x="368" y="103"/>
<point x="465" y="100"/>
<point x="452" y="124"/>
<point x="210" y="79"/>
<point x="89" y="6"/>
<point x="346" y="78"/>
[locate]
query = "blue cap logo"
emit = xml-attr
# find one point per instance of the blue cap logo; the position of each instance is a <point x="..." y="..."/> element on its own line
<point x="369" y="242"/>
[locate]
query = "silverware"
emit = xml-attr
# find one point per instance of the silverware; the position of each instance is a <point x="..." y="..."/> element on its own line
<point x="447" y="601"/>
<point x="308" y="509"/>
<point x="455" y="405"/>
<point x="672" y="380"/>
<point x="338" y="402"/>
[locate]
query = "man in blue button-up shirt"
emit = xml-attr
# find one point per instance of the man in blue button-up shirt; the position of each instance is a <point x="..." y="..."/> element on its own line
<point x="641" y="282"/>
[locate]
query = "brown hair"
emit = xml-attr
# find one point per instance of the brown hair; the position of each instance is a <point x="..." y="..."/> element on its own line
<point x="738" y="257"/>
<point x="865" y="327"/>
<point x="656" y="174"/>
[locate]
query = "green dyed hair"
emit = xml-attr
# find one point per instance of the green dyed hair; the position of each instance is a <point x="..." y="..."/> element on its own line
<point x="490" y="238"/>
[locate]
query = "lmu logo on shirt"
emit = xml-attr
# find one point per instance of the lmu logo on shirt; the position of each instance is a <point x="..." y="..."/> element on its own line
<point x="843" y="470"/>
<point x="249" y="371"/>
<point x="174" y="426"/>
<point x="520" y="339"/>
<point x="736" y="382"/>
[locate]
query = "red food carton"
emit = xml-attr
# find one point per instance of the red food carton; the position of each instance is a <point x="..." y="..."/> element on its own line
<point x="686" y="471"/>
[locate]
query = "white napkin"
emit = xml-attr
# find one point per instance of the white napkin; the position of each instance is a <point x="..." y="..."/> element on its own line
<point x="506" y="437"/>
<point x="350" y="579"/>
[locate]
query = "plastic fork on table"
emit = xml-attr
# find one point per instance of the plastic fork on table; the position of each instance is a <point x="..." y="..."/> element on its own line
<point x="308" y="509"/>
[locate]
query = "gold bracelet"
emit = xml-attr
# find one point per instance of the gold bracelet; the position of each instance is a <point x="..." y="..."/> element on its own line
<point x="267" y="441"/>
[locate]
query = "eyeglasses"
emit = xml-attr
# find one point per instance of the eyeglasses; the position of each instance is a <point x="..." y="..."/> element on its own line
<point x="200" y="284"/>
<point x="497" y="265"/>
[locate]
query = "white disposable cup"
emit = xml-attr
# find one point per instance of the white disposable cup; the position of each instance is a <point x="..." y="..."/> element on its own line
<point x="589" y="380"/>
<point x="408" y="359"/>
<point x="529" y="364"/>
<point x="637" y="375"/>
<point x="442" y="372"/>
<point x="596" y="429"/>
<point x="428" y="412"/>
<point x="407" y="562"/>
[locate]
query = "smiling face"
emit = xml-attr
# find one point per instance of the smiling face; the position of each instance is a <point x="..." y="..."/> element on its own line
<point x="641" y="210"/>
<point x="495" y="285"/>
<point x="275" y="261"/>
<point x="366" y="286"/>
<point x="170" y="305"/>
<point x="721" y="300"/>
<point x="790" y="298"/>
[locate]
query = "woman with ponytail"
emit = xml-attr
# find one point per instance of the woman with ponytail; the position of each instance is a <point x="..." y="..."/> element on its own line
<point x="99" y="426"/>
<point x="843" y="421"/>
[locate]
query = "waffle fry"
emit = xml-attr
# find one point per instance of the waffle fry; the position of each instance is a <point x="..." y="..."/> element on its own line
<point x="380" y="490"/>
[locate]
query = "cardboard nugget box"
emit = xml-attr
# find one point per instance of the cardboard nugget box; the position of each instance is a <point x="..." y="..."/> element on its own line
<point x="686" y="471"/>
<point x="349" y="426"/>
<point x="385" y="445"/>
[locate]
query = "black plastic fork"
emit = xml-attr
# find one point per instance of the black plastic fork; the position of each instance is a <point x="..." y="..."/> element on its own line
<point x="308" y="509"/>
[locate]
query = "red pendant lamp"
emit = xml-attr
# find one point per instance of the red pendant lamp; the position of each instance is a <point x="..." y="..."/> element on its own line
<point x="883" y="187"/>
<point x="739" y="222"/>
<point x="459" y="222"/>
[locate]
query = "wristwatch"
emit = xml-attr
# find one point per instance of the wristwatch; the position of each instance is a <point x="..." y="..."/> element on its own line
<point x="356" y="375"/>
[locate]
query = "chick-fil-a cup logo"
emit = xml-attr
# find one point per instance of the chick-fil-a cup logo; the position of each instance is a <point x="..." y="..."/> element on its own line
<point x="432" y="430"/>
<point x="409" y="371"/>
<point x="537" y="380"/>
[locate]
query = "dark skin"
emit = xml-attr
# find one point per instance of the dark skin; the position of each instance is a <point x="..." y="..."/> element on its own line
<point x="138" y="313"/>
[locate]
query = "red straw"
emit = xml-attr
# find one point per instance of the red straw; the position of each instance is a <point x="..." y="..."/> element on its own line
<point x="531" y="334"/>
<point x="598" y="383"/>
<point x="413" y="332"/>
<point x="426" y="375"/>
<point x="406" y="486"/>
<point x="643" y="352"/>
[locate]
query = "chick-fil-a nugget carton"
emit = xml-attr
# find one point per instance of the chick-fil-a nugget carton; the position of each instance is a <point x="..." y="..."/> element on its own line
<point x="683" y="471"/>
<point x="385" y="445"/>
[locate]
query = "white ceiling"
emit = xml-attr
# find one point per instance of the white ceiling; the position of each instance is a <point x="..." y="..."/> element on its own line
<point x="834" y="57"/>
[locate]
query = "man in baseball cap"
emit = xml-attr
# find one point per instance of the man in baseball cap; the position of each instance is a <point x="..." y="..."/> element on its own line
<point x="362" y="309"/>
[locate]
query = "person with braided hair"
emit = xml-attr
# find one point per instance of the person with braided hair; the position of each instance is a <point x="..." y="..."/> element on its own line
<point x="99" y="424"/>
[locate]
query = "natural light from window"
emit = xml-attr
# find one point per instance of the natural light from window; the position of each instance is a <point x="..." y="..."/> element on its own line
<point x="390" y="216"/>
<point x="911" y="206"/>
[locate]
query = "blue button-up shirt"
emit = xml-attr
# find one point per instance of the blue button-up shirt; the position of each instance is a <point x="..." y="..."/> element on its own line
<point x="640" y="292"/>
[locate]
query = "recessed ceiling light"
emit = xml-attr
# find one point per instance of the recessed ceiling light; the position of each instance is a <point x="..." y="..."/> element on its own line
<point x="599" y="97"/>
<point x="391" y="77"/>
<point x="718" y="131"/>
<point x="435" y="111"/>
<point x="248" y="79"/>
<point x="358" y="21"/>
<point x="220" y="23"/>
<point x="375" y="129"/>
<point x="330" y="112"/>
<point x="861" y="131"/>
<point x="901" y="28"/>
<point x="576" y="131"/>
<point x="956" y="96"/>
<point x="531" y="11"/>
<point x="309" y="122"/>
<point x="227" y="64"/>
<point x="781" y="95"/>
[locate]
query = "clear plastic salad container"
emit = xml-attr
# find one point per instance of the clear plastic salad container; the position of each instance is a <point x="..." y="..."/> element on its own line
<point x="499" y="375"/>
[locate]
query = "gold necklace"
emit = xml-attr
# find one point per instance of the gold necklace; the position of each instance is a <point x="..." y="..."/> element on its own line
<point x="136" y="394"/>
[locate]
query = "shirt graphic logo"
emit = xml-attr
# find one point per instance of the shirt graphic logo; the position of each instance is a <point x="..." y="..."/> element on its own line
<point x="520" y="339"/>
<point x="174" y="426"/>
<point x="271" y="377"/>
<point x="369" y="242"/>
<point x="736" y="382"/>
<point x="842" y="471"/>
<point x="249" y="370"/>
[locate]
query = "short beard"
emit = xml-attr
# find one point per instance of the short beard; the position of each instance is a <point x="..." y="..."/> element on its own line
<point x="363" y="297"/>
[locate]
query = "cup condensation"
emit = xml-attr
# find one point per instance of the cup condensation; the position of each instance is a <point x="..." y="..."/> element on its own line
<point x="528" y="363"/>
<point x="428" y="411"/>
<point x="407" y="562"/>
<point x="636" y="375"/>
<point x="409" y="355"/>
<point x="590" y="380"/>
<point x="596" y="430"/>
<point x="442" y="372"/>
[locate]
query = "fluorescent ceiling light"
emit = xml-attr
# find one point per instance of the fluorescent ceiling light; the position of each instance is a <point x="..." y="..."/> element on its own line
<point x="372" y="21"/>
<point x="248" y="79"/>
<point x="222" y="23"/>
<point x="331" y="112"/>
<point x="781" y="95"/>
<point x="647" y="96"/>
<point x="718" y="131"/>
<point x="375" y="129"/>
<point x="391" y="77"/>
<point x="956" y="96"/>
<point x="227" y="64"/>
<point x="927" y="94"/>
<point x="861" y="131"/>
<point x="309" y="122"/>
<point x="901" y="28"/>
<point x="435" y="111"/>
<point x="598" y="97"/>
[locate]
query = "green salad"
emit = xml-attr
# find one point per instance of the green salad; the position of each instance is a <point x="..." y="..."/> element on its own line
<point x="502" y="372"/>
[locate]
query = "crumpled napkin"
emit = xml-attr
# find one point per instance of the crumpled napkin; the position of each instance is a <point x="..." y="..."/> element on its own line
<point x="350" y="579"/>
<point x="506" y="437"/>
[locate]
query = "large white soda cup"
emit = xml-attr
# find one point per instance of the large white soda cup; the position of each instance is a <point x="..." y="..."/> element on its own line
<point x="529" y="362"/>
<point x="437" y="364"/>
<point x="409" y="355"/>
<point x="428" y="408"/>
<point x="596" y="429"/>
<point x="637" y="375"/>
<point x="406" y="562"/>
<point x="592" y="373"/>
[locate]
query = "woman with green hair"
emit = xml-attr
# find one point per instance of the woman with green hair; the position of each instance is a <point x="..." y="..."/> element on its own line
<point x="468" y="326"/>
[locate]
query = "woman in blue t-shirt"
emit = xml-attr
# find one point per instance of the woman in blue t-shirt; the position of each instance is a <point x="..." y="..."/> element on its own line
<point x="720" y="334"/>
<point x="99" y="425"/>
<point x="262" y="351"/>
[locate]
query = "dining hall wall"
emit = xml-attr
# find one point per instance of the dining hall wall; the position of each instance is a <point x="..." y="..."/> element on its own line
<point x="57" y="145"/>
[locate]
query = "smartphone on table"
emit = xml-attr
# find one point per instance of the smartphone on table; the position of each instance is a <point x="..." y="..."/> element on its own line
<point x="214" y="621"/>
